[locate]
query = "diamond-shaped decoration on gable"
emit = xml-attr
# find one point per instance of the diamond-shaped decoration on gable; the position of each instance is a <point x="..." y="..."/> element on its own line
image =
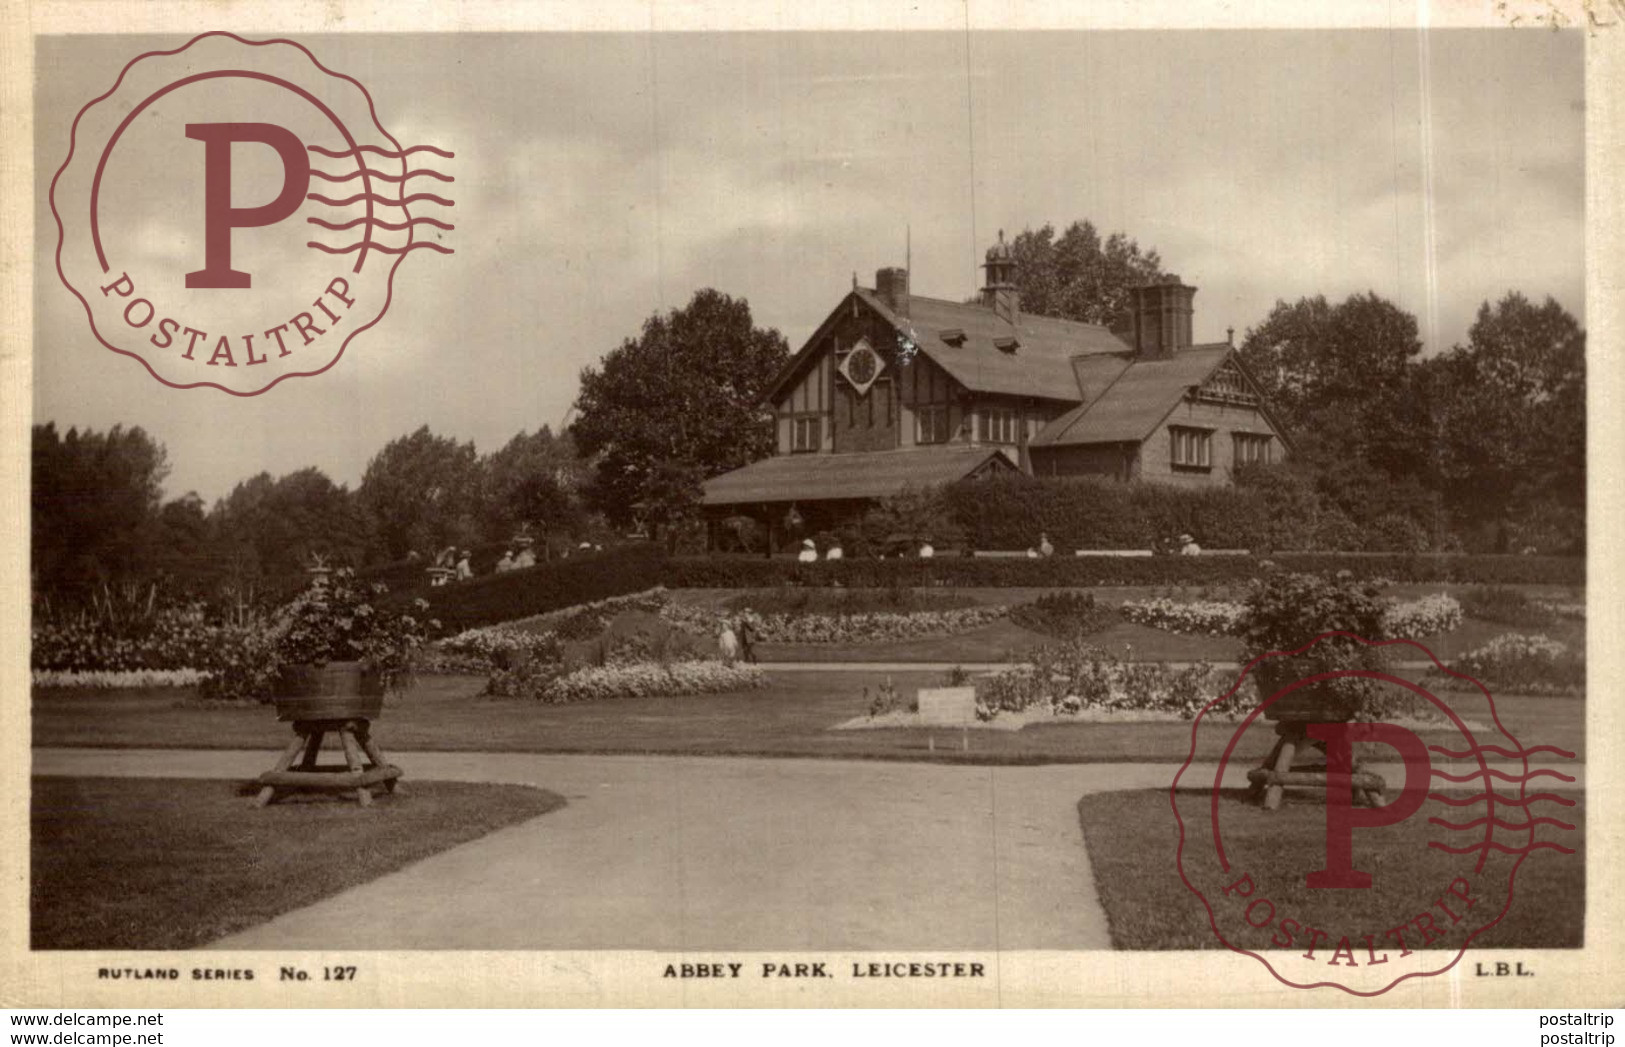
<point x="862" y="366"/>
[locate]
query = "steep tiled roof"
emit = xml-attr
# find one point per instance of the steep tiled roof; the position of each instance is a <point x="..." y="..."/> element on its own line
<point x="1040" y="365"/>
<point x="1140" y="398"/>
<point x="874" y="474"/>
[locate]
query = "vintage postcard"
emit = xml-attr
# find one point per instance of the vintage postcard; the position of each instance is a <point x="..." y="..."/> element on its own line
<point x="694" y="505"/>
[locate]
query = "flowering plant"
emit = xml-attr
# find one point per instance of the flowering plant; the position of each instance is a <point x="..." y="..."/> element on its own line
<point x="336" y="619"/>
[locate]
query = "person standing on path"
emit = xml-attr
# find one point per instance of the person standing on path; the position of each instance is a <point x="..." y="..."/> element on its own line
<point x="747" y="642"/>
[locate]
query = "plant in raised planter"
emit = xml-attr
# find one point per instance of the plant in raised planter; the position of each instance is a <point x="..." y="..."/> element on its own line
<point x="1291" y="614"/>
<point x="340" y="651"/>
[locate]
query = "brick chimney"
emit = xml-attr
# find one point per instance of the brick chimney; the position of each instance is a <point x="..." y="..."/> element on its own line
<point x="891" y="284"/>
<point x="1162" y="317"/>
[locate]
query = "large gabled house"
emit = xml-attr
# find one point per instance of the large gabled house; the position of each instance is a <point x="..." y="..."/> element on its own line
<point x="897" y="389"/>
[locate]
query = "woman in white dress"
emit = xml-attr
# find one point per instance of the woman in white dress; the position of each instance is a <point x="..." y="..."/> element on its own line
<point x="728" y="643"/>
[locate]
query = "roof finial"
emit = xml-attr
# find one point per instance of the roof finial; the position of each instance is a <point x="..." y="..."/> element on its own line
<point x="1230" y="335"/>
<point x="854" y="279"/>
<point x="1001" y="236"/>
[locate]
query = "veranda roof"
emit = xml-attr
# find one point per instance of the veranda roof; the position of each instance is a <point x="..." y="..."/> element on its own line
<point x="826" y="477"/>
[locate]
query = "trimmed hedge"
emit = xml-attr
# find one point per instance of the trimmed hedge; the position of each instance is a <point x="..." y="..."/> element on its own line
<point x="1099" y="513"/>
<point x="745" y="572"/>
<point x="545" y="587"/>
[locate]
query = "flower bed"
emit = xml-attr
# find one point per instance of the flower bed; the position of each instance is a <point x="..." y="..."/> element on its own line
<point x="1197" y="617"/>
<point x="651" y="680"/>
<point x="876" y="627"/>
<point x="116" y="678"/>
<point x="490" y="647"/>
<point x="171" y="638"/>
<point x="488" y="642"/>
<point x="1518" y="663"/>
<point x="1427" y="616"/>
<point x="1076" y="677"/>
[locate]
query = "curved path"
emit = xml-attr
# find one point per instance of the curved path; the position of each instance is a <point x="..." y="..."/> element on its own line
<point x="719" y="853"/>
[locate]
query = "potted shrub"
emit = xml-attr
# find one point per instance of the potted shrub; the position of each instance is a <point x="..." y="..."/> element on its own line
<point x="340" y="652"/>
<point x="1286" y="612"/>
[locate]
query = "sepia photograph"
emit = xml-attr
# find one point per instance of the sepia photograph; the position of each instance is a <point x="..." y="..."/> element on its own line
<point x="825" y="510"/>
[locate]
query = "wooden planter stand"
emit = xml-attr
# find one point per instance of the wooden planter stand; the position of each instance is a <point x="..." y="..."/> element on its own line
<point x="1292" y="714"/>
<point x="356" y="739"/>
<point x="338" y="698"/>
<point x="1270" y="778"/>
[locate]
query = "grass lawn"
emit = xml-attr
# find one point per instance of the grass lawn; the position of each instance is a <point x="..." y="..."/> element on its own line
<point x="133" y="863"/>
<point x="1149" y="906"/>
<point x="792" y="717"/>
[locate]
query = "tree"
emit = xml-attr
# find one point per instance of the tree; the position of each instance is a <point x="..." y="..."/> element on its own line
<point x="269" y="529"/>
<point x="422" y="492"/>
<point x="182" y="548"/>
<point x="677" y="405"/>
<point x="1340" y="379"/>
<point x="95" y="500"/>
<point x="1510" y="409"/>
<point x="1080" y="276"/>
<point x="532" y="479"/>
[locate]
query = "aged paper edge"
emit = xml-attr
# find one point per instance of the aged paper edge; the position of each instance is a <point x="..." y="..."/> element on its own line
<point x="1587" y="977"/>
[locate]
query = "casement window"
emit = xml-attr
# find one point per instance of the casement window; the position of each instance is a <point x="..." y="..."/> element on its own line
<point x="806" y="433"/>
<point x="1252" y="447"/>
<point x="931" y="424"/>
<point x="999" y="425"/>
<point x="1192" y="448"/>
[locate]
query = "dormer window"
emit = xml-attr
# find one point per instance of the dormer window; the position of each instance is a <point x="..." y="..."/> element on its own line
<point x="1007" y="345"/>
<point x="953" y="336"/>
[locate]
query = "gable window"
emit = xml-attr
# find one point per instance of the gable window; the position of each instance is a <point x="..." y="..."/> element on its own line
<point x="999" y="425"/>
<point x="806" y="433"/>
<point x="931" y="424"/>
<point x="1252" y="447"/>
<point x="1192" y="448"/>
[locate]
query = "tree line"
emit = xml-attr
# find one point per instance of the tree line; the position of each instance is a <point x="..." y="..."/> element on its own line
<point x="99" y="515"/>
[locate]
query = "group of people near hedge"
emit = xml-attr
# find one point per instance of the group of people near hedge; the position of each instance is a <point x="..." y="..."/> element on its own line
<point x="450" y="565"/>
<point x="511" y="562"/>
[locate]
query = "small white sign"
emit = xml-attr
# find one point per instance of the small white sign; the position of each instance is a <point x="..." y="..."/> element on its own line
<point x="947" y="706"/>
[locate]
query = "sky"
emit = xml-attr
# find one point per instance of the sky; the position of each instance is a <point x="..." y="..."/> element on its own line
<point x="604" y="177"/>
